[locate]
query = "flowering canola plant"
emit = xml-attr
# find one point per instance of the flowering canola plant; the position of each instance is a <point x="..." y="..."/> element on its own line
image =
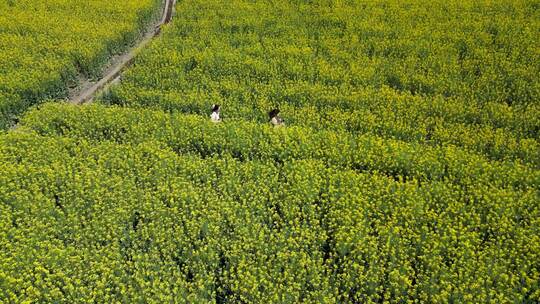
<point x="408" y="170"/>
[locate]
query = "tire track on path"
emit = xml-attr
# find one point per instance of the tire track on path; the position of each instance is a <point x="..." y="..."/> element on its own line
<point x="87" y="90"/>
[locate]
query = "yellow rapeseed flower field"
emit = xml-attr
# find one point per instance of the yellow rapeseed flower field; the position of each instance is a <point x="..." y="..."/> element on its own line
<point x="408" y="169"/>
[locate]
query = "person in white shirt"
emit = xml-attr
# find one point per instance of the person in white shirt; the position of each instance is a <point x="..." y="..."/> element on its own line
<point x="215" y="113"/>
<point x="275" y="120"/>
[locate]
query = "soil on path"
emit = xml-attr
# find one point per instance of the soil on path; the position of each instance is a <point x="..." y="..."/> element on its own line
<point x="88" y="88"/>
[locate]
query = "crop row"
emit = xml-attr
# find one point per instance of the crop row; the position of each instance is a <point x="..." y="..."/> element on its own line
<point x="110" y="222"/>
<point x="245" y="140"/>
<point x="387" y="119"/>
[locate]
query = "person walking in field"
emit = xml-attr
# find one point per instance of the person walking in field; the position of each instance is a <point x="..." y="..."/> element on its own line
<point x="215" y="113"/>
<point x="275" y="119"/>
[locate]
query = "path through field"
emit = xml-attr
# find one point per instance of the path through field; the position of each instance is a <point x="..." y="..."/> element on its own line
<point x="88" y="88"/>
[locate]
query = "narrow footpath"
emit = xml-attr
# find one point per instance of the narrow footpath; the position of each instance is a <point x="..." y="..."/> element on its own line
<point x="88" y="89"/>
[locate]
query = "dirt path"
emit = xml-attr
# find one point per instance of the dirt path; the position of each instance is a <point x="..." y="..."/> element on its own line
<point x="88" y="89"/>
